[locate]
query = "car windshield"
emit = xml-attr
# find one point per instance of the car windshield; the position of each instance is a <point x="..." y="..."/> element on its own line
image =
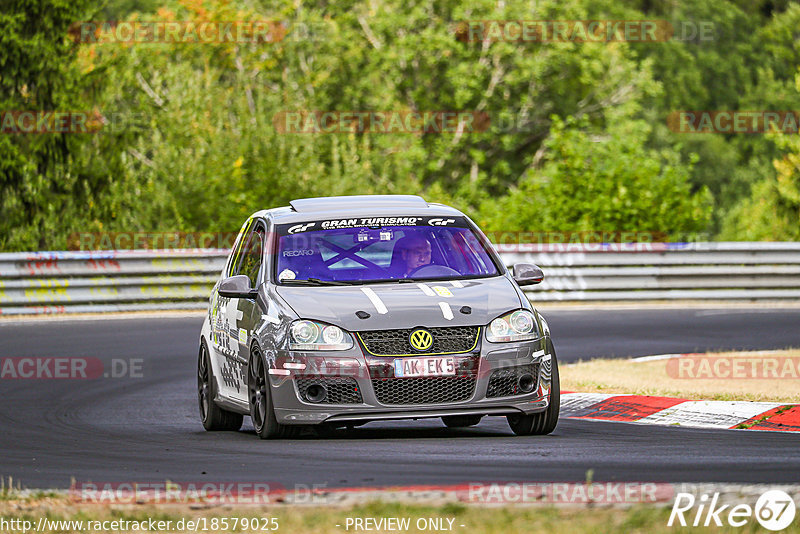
<point x="381" y="249"/>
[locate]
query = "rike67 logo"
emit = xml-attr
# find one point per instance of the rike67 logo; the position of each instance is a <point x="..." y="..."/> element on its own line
<point x="774" y="510"/>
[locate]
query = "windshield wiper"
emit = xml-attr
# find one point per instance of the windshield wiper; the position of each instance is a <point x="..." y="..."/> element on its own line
<point x="314" y="282"/>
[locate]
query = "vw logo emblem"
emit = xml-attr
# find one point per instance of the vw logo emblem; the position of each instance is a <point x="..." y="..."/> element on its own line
<point x="420" y="339"/>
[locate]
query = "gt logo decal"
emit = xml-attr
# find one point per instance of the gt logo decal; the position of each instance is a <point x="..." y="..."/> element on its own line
<point x="440" y="222"/>
<point x="420" y="339"/>
<point x="300" y="228"/>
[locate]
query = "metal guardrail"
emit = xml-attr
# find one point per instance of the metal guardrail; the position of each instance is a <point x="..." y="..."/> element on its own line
<point x="76" y="282"/>
<point x="664" y="271"/>
<point x="100" y="281"/>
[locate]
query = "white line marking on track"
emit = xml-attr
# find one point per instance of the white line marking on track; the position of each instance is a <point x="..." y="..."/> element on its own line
<point x="657" y="357"/>
<point x="375" y="299"/>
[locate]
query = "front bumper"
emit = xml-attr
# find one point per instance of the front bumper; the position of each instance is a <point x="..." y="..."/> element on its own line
<point x="370" y="395"/>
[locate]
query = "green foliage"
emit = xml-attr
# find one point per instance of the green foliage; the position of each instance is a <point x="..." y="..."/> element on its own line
<point x="604" y="182"/>
<point x="35" y="74"/>
<point x="772" y="211"/>
<point x="577" y="138"/>
<point x="49" y="182"/>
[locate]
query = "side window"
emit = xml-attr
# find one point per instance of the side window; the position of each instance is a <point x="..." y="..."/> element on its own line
<point x="235" y="258"/>
<point x="252" y="254"/>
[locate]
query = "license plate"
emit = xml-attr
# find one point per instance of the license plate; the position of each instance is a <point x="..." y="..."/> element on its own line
<point x="413" y="367"/>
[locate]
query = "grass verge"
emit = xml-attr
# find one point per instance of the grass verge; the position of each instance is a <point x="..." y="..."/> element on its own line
<point x="325" y="520"/>
<point x="746" y="376"/>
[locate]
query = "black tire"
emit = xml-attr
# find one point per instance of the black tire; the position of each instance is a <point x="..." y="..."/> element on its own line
<point x="539" y="424"/>
<point x="461" y="421"/>
<point x="213" y="417"/>
<point x="262" y="412"/>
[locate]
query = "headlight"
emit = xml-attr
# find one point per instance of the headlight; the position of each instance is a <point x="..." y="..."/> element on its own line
<point x="304" y="332"/>
<point x="332" y="335"/>
<point x="515" y="326"/>
<point x="309" y="335"/>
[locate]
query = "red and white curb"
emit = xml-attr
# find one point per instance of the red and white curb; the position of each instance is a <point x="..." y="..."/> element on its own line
<point x="683" y="412"/>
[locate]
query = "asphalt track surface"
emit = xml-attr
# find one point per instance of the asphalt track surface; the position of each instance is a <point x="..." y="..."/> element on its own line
<point x="147" y="429"/>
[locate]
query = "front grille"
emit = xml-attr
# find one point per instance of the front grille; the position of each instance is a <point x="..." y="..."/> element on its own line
<point x="503" y="382"/>
<point x="341" y="389"/>
<point x="427" y="390"/>
<point x="449" y="339"/>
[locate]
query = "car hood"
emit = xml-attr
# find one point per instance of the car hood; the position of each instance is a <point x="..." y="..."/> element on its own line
<point x="405" y="304"/>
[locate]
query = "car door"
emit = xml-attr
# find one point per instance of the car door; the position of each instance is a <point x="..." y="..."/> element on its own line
<point x="218" y="309"/>
<point x="242" y="313"/>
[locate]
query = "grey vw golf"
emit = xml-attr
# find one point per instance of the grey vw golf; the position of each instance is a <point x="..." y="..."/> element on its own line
<point x="338" y="311"/>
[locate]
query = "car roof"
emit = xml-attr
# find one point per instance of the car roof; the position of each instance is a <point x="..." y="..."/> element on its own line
<point x="347" y="203"/>
<point x="306" y="209"/>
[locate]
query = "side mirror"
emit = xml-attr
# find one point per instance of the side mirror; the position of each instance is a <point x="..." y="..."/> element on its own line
<point x="526" y="274"/>
<point x="237" y="287"/>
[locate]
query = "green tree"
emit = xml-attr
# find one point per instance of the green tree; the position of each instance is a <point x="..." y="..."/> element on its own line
<point x="603" y="182"/>
<point x="203" y="150"/>
<point x="49" y="182"/>
<point x="772" y="211"/>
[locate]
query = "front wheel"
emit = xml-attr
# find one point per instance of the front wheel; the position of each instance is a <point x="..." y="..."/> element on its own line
<point x="262" y="412"/>
<point x="212" y="416"/>
<point x="539" y="424"/>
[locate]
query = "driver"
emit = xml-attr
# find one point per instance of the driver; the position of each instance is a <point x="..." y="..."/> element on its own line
<point x="415" y="251"/>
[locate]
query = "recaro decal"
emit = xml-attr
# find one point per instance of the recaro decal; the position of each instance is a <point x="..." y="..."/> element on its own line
<point x="300" y="252"/>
